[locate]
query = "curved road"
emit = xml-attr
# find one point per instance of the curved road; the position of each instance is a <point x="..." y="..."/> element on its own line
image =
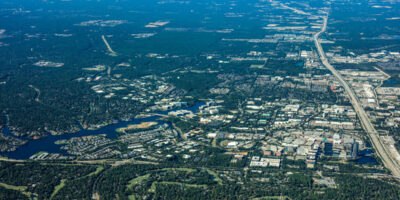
<point x="380" y="148"/>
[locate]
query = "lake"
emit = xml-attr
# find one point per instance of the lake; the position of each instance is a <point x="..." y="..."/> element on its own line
<point x="47" y="144"/>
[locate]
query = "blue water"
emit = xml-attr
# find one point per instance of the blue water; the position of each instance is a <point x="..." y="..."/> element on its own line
<point x="47" y="144"/>
<point x="7" y="131"/>
<point x="392" y="81"/>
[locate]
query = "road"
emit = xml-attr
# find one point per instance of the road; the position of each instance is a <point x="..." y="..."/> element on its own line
<point x="112" y="52"/>
<point x="294" y="9"/>
<point x="380" y="148"/>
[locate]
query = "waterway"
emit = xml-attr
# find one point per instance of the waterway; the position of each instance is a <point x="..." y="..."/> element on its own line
<point x="391" y="81"/>
<point x="47" y="144"/>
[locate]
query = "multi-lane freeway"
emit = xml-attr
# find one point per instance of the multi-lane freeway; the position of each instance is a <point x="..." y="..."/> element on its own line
<point x="380" y="148"/>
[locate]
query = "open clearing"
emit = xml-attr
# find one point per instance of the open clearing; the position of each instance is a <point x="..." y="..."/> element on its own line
<point x="137" y="180"/>
<point x="58" y="188"/>
<point x="21" y="189"/>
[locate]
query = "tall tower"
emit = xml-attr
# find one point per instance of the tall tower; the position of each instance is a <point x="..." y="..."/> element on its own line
<point x="354" y="149"/>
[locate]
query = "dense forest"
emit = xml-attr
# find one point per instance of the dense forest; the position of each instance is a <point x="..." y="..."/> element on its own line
<point x="187" y="181"/>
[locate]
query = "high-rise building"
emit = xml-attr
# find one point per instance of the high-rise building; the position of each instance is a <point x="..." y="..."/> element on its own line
<point x="354" y="149"/>
<point x="328" y="149"/>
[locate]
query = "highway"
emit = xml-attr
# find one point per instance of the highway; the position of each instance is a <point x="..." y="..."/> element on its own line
<point x="380" y="148"/>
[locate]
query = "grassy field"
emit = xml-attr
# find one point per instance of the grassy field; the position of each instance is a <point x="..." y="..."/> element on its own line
<point x="214" y="142"/>
<point x="272" y="198"/>
<point x="152" y="189"/>
<point x="153" y="185"/>
<point x="12" y="187"/>
<point x="137" y="180"/>
<point x="63" y="181"/>
<point x="58" y="188"/>
<point x="98" y="170"/>
<point x="216" y="177"/>
<point x="182" y="184"/>
<point x="21" y="189"/>
<point x="179" y="169"/>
